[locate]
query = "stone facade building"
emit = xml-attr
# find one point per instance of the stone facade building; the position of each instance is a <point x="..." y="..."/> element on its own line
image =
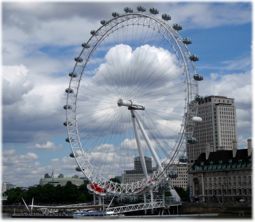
<point x="55" y="181"/>
<point x="224" y="175"/>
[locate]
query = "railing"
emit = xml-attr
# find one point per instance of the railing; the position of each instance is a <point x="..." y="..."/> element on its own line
<point x="138" y="207"/>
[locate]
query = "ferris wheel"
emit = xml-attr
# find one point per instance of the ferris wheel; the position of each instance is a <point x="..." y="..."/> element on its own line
<point x="132" y="96"/>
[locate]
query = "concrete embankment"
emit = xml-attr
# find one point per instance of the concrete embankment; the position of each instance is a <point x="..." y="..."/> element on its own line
<point x="227" y="210"/>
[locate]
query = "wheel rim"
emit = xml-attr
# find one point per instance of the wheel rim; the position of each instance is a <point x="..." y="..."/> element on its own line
<point x="114" y="25"/>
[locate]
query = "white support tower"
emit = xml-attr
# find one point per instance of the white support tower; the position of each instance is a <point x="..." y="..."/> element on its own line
<point x="135" y="120"/>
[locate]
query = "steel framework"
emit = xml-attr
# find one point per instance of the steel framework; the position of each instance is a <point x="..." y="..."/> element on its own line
<point x="141" y="206"/>
<point x="170" y="33"/>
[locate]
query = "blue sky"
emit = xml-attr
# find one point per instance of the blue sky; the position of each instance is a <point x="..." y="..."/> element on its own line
<point x="40" y="42"/>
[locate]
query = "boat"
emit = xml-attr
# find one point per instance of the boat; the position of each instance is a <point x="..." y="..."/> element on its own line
<point x="91" y="213"/>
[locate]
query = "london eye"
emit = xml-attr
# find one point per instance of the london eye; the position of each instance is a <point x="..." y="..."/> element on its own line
<point x="133" y="93"/>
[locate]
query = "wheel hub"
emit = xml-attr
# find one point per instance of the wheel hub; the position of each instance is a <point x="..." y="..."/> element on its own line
<point x="130" y="105"/>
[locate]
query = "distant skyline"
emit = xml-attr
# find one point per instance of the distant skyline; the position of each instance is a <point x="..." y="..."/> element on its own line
<point x="40" y="40"/>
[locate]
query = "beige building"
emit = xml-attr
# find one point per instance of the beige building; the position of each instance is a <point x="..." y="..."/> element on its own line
<point x="224" y="175"/>
<point x="217" y="129"/>
<point x="61" y="181"/>
<point x="182" y="176"/>
<point x="181" y="172"/>
<point x="132" y="177"/>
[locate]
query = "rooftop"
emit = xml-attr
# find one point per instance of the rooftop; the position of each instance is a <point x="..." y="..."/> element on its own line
<point x="223" y="160"/>
<point x="209" y="99"/>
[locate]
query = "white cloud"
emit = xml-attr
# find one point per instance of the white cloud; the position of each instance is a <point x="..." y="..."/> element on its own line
<point x="30" y="156"/>
<point x="47" y="146"/>
<point x="21" y="169"/>
<point x="243" y="63"/>
<point x="111" y="161"/>
<point x="26" y="169"/>
<point x="194" y="14"/>
<point x="235" y="65"/>
<point x="129" y="144"/>
<point x="65" y="165"/>
<point x="208" y="15"/>
<point x="127" y="67"/>
<point x="237" y="86"/>
<point x="15" y="84"/>
<point x="233" y="85"/>
<point x="32" y="104"/>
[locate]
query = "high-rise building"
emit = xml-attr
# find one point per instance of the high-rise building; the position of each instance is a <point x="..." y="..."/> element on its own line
<point x="217" y="131"/>
<point x="138" y="165"/>
<point x="137" y="173"/>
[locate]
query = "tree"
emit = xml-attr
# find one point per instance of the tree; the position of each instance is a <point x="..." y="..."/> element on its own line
<point x="184" y="194"/>
<point x="47" y="175"/>
<point x="49" y="194"/>
<point x="14" y="195"/>
<point x="115" y="179"/>
<point x="61" y="175"/>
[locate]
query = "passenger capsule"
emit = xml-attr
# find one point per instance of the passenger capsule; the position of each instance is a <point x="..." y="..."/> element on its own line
<point x="128" y="10"/>
<point x="103" y="22"/>
<point x="186" y="41"/>
<point x="67" y="107"/>
<point x="198" y="98"/>
<point x="115" y="14"/>
<point x="78" y="169"/>
<point x="141" y="9"/>
<point x="197" y="119"/>
<point x="78" y="59"/>
<point x="183" y="159"/>
<point x="93" y="32"/>
<point x="191" y="140"/>
<point x="198" y="77"/>
<point x="153" y="11"/>
<point x="69" y="90"/>
<point x="72" y="75"/>
<point x="166" y="17"/>
<point x="69" y="140"/>
<point x="85" y="45"/>
<point x="173" y="174"/>
<point x="71" y="155"/>
<point x="194" y="58"/>
<point x="177" y="27"/>
<point x="67" y="123"/>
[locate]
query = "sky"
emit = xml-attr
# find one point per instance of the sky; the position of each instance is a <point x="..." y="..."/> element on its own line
<point x="39" y="42"/>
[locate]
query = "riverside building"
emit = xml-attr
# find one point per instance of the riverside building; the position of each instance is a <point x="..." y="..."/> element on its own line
<point x="61" y="180"/>
<point x="223" y="175"/>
